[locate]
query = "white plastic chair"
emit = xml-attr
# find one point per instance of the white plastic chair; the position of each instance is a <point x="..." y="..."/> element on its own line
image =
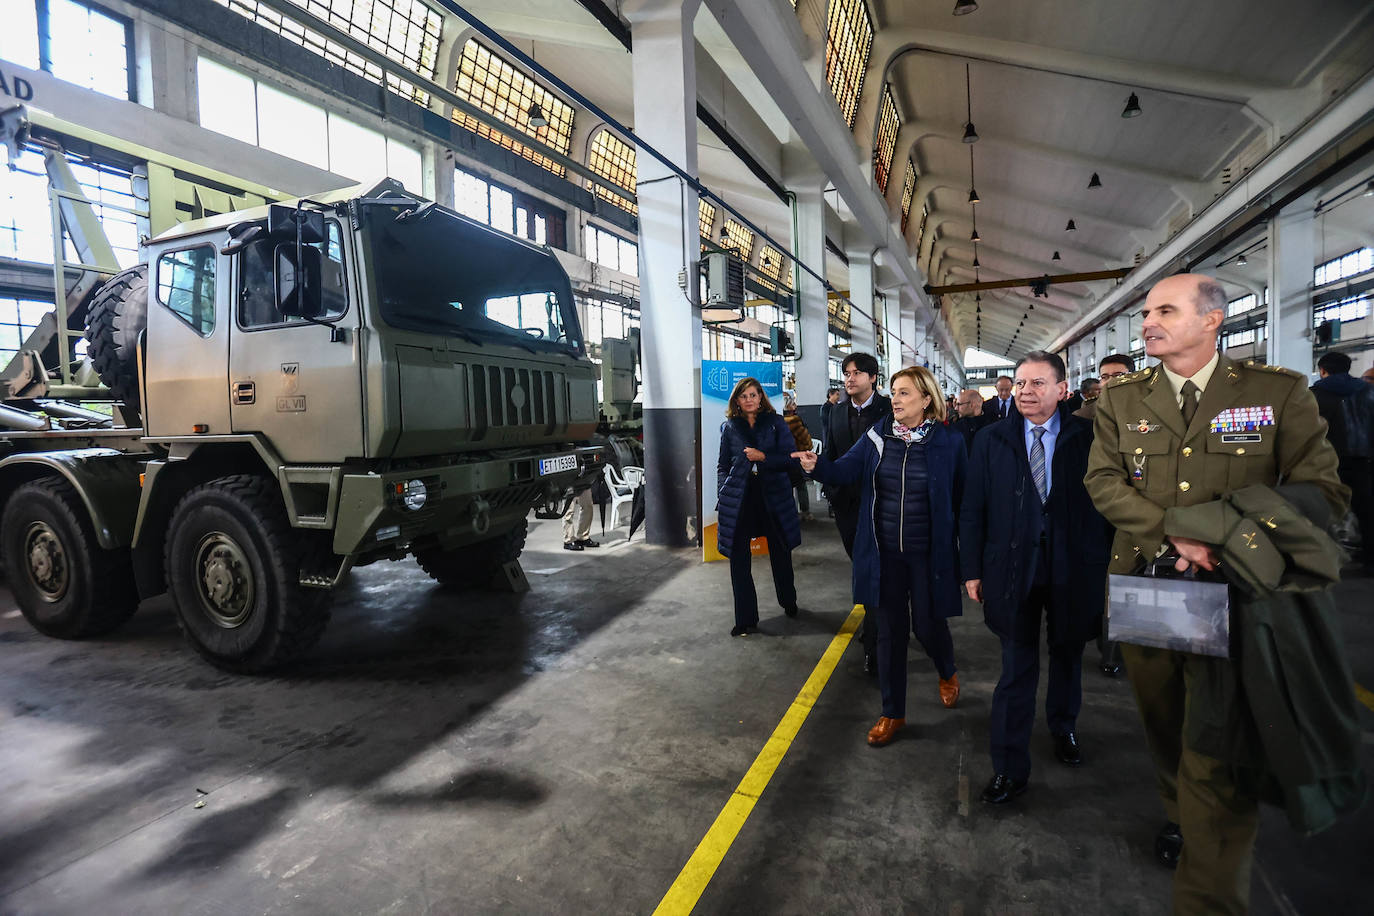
<point x="634" y="476"/>
<point x="622" y="494"/>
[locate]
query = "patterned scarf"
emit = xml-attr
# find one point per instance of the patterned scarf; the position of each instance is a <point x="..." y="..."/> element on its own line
<point x="913" y="435"/>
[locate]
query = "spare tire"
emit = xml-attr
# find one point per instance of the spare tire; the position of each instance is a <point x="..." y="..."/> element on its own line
<point x="118" y="313"/>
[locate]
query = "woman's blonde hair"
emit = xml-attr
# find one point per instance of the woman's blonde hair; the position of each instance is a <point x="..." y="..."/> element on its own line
<point x="925" y="383"/>
<point x="732" y="409"/>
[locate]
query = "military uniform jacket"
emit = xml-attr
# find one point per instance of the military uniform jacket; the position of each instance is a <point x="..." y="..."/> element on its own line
<point x="1255" y="424"/>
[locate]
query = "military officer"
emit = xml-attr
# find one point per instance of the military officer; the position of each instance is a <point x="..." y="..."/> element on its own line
<point x="1182" y="433"/>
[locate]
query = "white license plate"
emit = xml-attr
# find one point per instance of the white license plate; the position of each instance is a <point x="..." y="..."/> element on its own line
<point x="554" y="465"/>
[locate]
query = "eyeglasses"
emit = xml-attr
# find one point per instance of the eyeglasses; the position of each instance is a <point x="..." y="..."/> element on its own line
<point x="1112" y="375"/>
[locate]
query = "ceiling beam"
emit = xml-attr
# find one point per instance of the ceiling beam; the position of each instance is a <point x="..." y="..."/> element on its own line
<point x="1048" y="280"/>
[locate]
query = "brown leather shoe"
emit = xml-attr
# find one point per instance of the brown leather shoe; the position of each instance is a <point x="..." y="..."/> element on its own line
<point x="884" y="731"/>
<point x="949" y="690"/>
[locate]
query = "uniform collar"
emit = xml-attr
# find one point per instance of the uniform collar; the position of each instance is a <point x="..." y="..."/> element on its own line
<point x="1199" y="378"/>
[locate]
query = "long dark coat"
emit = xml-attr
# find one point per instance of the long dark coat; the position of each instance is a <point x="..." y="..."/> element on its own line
<point x="771" y="436"/>
<point x="945" y="463"/>
<point x="1001" y="521"/>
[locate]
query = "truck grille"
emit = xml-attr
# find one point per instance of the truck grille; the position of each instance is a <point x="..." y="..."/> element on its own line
<point x="504" y="396"/>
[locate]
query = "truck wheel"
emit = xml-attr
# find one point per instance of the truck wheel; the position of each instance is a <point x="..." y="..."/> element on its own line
<point x="118" y="313"/>
<point x="474" y="565"/>
<point x="66" y="584"/>
<point x="233" y="568"/>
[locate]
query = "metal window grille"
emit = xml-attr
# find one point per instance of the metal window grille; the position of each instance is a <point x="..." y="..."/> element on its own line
<point x="738" y="239"/>
<point x="86" y="45"/>
<point x="1352" y="308"/>
<point x="614" y="159"/>
<point x="489" y="82"/>
<point x="18" y="319"/>
<point x="770" y="265"/>
<point x="406" y="31"/>
<point x="921" y="226"/>
<point x="848" y="42"/>
<point x="1359" y="261"/>
<point x="706" y="215"/>
<point x="1243" y="304"/>
<point x="889" y="122"/>
<point x="838" y="310"/>
<point x="908" y="189"/>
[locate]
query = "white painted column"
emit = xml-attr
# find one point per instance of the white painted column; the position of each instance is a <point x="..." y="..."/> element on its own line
<point x="1121" y="336"/>
<point x="813" y="321"/>
<point x="862" y="332"/>
<point x="665" y="91"/>
<point x="1292" y="248"/>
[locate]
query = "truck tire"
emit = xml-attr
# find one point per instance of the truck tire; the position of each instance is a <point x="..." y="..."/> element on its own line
<point x="474" y="565"/>
<point x="118" y="313"/>
<point x="65" y="583"/>
<point x="233" y="568"/>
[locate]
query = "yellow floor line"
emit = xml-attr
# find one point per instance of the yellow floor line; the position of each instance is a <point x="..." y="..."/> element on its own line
<point x="697" y="873"/>
<point x="1365" y="695"/>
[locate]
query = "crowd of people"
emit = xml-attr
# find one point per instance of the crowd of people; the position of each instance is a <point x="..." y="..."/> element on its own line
<point x="1024" y="502"/>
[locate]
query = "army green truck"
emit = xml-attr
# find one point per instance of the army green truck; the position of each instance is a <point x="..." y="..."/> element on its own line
<point x="296" y="390"/>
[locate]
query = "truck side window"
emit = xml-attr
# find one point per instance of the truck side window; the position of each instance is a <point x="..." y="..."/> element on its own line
<point x="186" y="286"/>
<point x="257" y="293"/>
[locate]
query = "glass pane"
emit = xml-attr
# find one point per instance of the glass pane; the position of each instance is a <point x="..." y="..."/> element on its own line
<point x="227" y="103"/>
<point x="470" y="196"/>
<point x="629" y="257"/>
<point x="405" y="164"/>
<point x="19" y="38"/>
<point x="88" y="48"/>
<point x="541" y="230"/>
<point x="502" y="209"/>
<point x="355" y="151"/>
<point x="186" y="286"/>
<point x="292" y="127"/>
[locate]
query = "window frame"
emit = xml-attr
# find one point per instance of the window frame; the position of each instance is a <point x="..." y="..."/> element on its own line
<point x="236" y="271"/>
<point x="156" y="286"/>
<point x="44" y="15"/>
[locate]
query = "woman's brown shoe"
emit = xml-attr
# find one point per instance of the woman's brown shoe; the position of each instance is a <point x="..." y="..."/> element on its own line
<point x="949" y="690"/>
<point x="884" y="731"/>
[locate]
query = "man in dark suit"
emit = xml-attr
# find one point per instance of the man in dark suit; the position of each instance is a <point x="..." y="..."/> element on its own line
<point x="1347" y="406"/>
<point x="848" y="420"/>
<point x="1032" y="545"/>
<point x="1002" y="406"/>
<point x="969" y="408"/>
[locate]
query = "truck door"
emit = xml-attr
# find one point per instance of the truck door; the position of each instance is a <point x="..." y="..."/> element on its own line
<point x="287" y="379"/>
<point x="188" y="340"/>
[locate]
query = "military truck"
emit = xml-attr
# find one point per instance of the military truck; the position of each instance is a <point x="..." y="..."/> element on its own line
<point x="295" y="390"/>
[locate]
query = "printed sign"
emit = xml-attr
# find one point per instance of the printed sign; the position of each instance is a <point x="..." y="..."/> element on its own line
<point x="718" y="380"/>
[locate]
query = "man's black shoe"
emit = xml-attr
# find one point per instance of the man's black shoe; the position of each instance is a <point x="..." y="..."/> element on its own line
<point x="1110" y="670"/>
<point x="1169" y="844"/>
<point x="791" y="610"/>
<point x="1002" y="789"/>
<point x="587" y="542"/>
<point x="1066" y="750"/>
<point x="571" y="545"/>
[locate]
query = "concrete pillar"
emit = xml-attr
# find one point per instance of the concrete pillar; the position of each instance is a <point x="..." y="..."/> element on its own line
<point x="862" y="333"/>
<point x="438" y="172"/>
<point x="1293" y="250"/>
<point x="1102" y="345"/>
<point x="1121" y="334"/>
<point x="664" y="69"/>
<point x="813" y="320"/>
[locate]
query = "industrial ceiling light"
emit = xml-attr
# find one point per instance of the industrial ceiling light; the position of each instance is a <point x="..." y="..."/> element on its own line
<point x="1369" y="189"/>
<point x="1242" y="261"/>
<point x="975" y="237"/>
<point x="1070" y="227"/>
<point x="970" y="135"/>
<point x="973" y="197"/>
<point x="1132" y="109"/>
<point x="536" y="114"/>
<point x="964" y="7"/>
<point x="975" y="261"/>
<point x="1056" y="257"/>
<point x="1094" y="182"/>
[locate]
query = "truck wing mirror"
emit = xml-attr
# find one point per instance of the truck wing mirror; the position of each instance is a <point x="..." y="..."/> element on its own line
<point x="298" y="274"/>
<point x="282" y="223"/>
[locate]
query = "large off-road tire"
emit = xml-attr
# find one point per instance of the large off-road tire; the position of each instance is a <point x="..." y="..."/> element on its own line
<point x="65" y="583"/>
<point x="233" y="568"/>
<point x="118" y="313"/>
<point x="474" y="565"/>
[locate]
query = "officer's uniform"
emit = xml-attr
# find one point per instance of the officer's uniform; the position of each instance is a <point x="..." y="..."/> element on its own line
<point x="1254" y="424"/>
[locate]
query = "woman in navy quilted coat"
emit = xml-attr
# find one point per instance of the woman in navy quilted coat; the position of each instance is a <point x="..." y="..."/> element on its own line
<point x="754" y="499"/>
<point x="910" y="467"/>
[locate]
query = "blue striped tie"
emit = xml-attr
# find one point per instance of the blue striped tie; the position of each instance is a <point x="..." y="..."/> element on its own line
<point x="1037" y="462"/>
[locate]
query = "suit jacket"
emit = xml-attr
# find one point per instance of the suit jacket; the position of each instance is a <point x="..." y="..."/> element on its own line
<point x="1000" y="527"/>
<point x="990" y="408"/>
<point x="968" y="427"/>
<point x="839" y="439"/>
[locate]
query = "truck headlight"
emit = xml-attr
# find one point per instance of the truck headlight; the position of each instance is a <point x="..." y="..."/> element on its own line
<point x="414" y="495"/>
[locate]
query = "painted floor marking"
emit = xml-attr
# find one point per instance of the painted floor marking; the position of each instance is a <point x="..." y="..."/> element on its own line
<point x="697" y="873"/>
<point x="1365" y="695"/>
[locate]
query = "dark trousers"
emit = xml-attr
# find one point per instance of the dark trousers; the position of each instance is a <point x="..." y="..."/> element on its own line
<point x="1013" y="700"/>
<point x="1358" y="475"/>
<point x="904" y="607"/>
<point x="847" y="521"/>
<point x="742" y="579"/>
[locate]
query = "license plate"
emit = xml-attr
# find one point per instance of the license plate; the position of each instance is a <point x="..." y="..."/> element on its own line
<point x="554" y="465"/>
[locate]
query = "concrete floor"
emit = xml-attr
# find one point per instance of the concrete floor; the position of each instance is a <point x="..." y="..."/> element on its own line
<point x="565" y="751"/>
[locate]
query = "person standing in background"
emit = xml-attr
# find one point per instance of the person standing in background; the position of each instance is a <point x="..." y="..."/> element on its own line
<point x="1347" y="405"/>
<point x="970" y="419"/>
<point x="1002" y="406"/>
<point x="849" y="420"/>
<point x="803" y="440"/>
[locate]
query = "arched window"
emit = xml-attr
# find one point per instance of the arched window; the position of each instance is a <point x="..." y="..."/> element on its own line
<point x="614" y="160"/>
<point x="848" y="42"/>
<point x="492" y="84"/>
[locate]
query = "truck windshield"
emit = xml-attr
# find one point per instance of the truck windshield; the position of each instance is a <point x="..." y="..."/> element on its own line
<point x="444" y="275"/>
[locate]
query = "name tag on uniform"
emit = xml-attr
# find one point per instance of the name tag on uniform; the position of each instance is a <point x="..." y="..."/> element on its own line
<point x="1242" y="437"/>
<point x="1243" y="420"/>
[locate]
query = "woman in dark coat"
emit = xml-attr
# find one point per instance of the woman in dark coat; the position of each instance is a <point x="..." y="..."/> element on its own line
<point x="754" y="499"/>
<point x="910" y="467"/>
